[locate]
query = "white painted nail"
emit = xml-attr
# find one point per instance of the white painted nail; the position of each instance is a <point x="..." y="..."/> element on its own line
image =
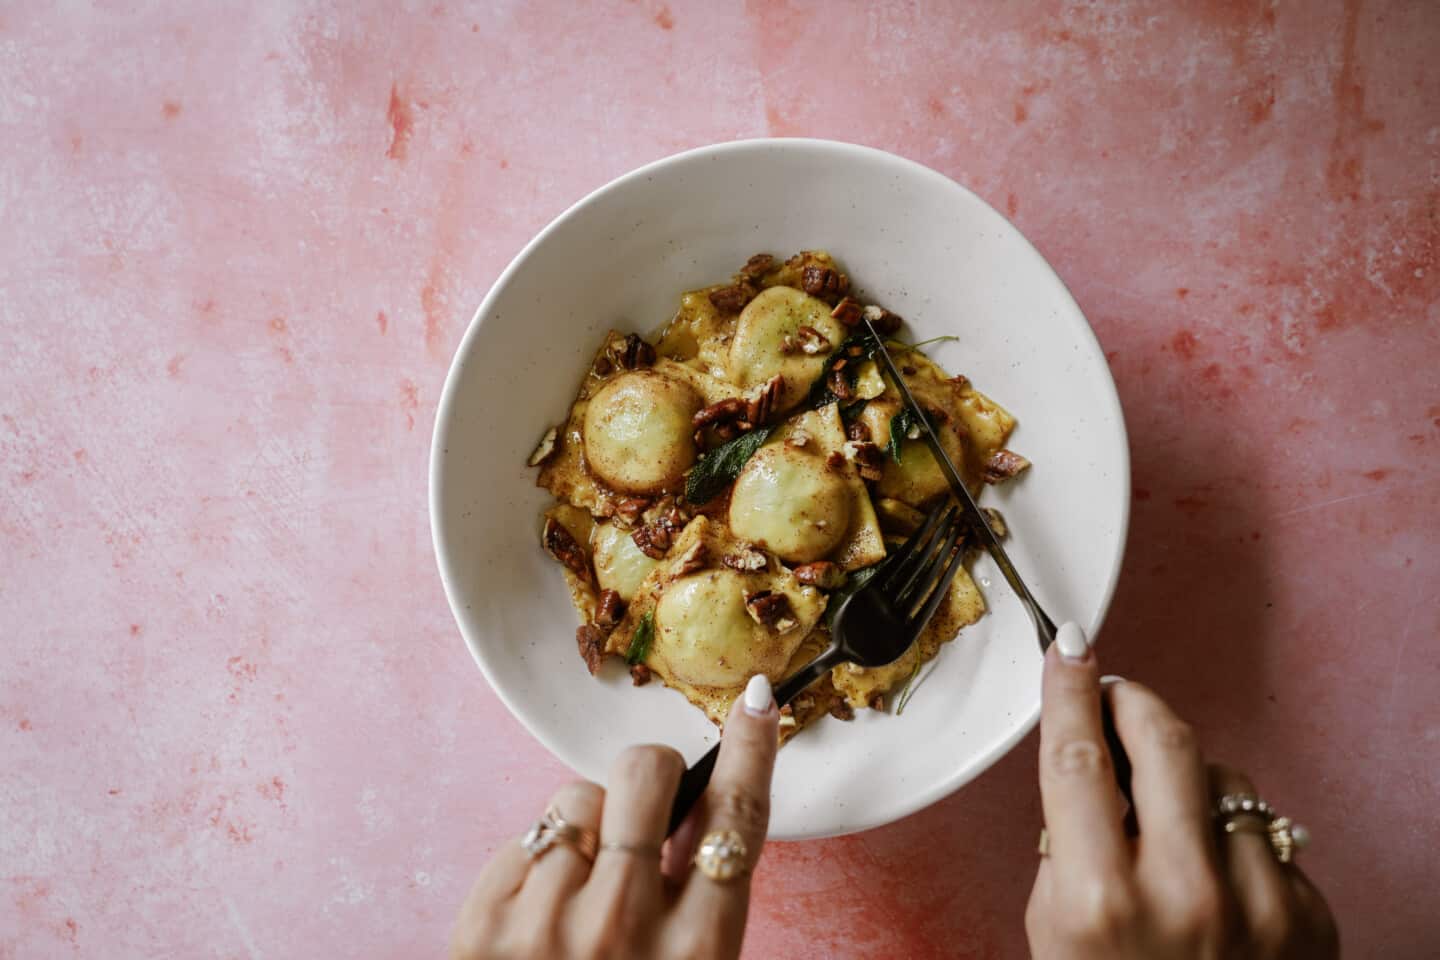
<point x="758" y="696"/>
<point x="1072" y="643"/>
<point x="1110" y="679"/>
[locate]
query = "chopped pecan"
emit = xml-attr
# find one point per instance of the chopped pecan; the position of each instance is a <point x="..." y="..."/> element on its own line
<point x="824" y="282"/>
<point x="609" y="608"/>
<point x="847" y="311"/>
<point x="787" y="711"/>
<point x="723" y="411"/>
<point x="821" y="573"/>
<point x="747" y="559"/>
<point x="997" y="522"/>
<point x="653" y="539"/>
<point x="695" y="558"/>
<point x="591" y="641"/>
<point x="835" y="461"/>
<point x="631" y="352"/>
<point x="604" y="366"/>
<point x="876" y="701"/>
<point x="768" y="608"/>
<point x="908" y="370"/>
<point x="868" y="457"/>
<point x="563" y="547"/>
<point x="839" y="384"/>
<point x="757" y="266"/>
<point x="841" y="710"/>
<point x="629" y="509"/>
<point x="732" y="299"/>
<point x="884" y="322"/>
<point x="546" y="448"/>
<point x="857" y="431"/>
<point x="803" y="702"/>
<point x="759" y="407"/>
<point x="1002" y="465"/>
<point x="811" y="341"/>
<point x="639" y="674"/>
<point x="960" y="380"/>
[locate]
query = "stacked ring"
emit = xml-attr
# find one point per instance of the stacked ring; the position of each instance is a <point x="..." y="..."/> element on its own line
<point x="1247" y="813"/>
<point x="552" y="829"/>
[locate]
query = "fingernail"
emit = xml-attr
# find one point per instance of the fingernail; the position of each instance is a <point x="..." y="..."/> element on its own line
<point x="1110" y="679"/>
<point x="758" y="696"/>
<point x="1072" y="643"/>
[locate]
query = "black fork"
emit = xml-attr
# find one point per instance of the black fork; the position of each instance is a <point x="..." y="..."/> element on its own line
<point x="874" y="626"/>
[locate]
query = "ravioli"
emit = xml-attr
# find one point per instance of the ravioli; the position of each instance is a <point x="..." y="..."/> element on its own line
<point x="744" y="402"/>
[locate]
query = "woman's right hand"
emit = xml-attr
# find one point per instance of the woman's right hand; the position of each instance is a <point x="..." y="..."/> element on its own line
<point x="1183" y="888"/>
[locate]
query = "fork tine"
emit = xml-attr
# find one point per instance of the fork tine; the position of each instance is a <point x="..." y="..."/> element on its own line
<point x="926" y="558"/>
<point x="940" y="584"/>
<point x="906" y="559"/>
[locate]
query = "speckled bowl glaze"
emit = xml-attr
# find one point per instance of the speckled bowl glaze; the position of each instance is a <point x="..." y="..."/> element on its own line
<point x="912" y="240"/>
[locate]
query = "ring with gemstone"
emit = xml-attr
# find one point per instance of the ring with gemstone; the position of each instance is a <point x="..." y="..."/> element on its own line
<point x="552" y="829"/>
<point x="722" y="855"/>
<point x="1247" y="813"/>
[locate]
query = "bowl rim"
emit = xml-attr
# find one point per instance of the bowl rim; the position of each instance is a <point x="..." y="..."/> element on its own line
<point x="978" y="764"/>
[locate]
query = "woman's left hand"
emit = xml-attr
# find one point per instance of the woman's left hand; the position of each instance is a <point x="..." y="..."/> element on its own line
<point x="640" y="897"/>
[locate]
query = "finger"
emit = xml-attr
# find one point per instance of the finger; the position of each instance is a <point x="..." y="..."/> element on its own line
<point x="737" y="799"/>
<point x="1083" y="811"/>
<point x="503" y="875"/>
<point x="1265" y="895"/>
<point x="681" y="847"/>
<point x="1169" y="784"/>
<point x="641" y="789"/>
<point x="559" y="872"/>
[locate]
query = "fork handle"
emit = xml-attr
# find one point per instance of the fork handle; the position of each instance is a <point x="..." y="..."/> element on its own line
<point x="697" y="776"/>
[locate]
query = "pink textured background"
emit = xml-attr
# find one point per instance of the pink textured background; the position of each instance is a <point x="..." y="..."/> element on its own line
<point x="238" y="246"/>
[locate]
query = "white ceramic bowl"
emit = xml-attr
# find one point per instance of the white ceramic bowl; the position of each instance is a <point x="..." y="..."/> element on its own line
<point x="914" y="241"/>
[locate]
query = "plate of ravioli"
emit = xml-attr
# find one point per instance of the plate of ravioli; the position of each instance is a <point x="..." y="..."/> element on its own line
<point x="664" y="452"/>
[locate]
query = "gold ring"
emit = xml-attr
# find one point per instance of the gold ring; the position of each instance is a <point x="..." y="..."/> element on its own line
<point x="1247" y="823"/>
<point x="1042" y="846"/>
<point x="1286" y="837"/>
<point x="1247" y="813"/>
<point x="552" y="829"/>
<point x="722" y="855"/>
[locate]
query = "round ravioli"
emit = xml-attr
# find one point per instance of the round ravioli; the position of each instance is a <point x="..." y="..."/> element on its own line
<point x="789" y="501"/>
<point x="619" y="564"/>
<point x="638" y="434"/>
<point x="787" y="332"/>
<point x="706" y="637"/>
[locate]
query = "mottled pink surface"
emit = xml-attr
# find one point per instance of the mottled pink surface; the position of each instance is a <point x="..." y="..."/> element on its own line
<point x="237" y="248"/>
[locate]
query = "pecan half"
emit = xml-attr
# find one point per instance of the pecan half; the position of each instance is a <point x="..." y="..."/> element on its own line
<point x="629" y="509"/>
<point x="876" y="701"/>
<point x="857" y="431"/>
<point x="639" y="674"/>
<point x="748" y="559"/>
<point x="695" y="558"/>
<point x="824" y="282"/>
<point x="768" y="608"/>
<point x="868" y="457"/>
<point x="653" y="539"/>
<point x="563" y="547"/>
<point x="839" y="384"/>
<point x="1002" y="465"/>
<point x="847" y="311"/>
<point x="631" y="352"/>
<point x="732" y="299"/>
<point x="884" y="322"/>
<point x="723" y="411"/>
<point x="821" y="573"/>
<point x="841" y="710"/>
<point x="757" y="266"/>
<point x="609" y="608"/>
<point x="591" y="641"/>
<point x="811" y="341"/>
<point x="759" y="407"/>
<point x="546" y="448"/>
